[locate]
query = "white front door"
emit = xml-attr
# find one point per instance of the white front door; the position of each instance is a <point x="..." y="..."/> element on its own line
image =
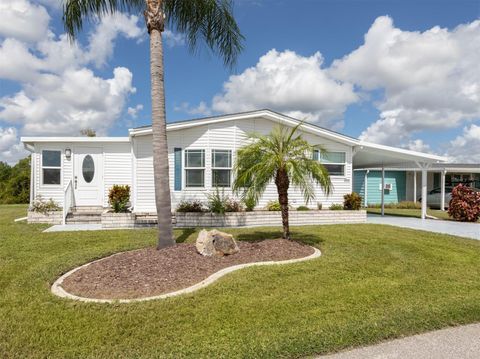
<point x="88" y="176"/>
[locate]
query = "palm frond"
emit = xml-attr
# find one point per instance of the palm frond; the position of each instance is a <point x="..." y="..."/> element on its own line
<point x="76" y="11"/>
<point x="209" y="20"/>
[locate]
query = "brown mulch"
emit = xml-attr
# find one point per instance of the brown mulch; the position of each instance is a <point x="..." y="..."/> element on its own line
<point x="149" y="272"/>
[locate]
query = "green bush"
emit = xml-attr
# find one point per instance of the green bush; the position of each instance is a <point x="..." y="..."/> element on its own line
<point x="42" y="206"/>
<point x="352" y="201"/>
<point x="250" y="203"/>
<point x="273" y="206"/>
<point x="336" y="207"/>
<point x="220" y="203"/>
<point x="303" y="208"/>
<point x="190" y="206"/>
<point x="119" y="198"/>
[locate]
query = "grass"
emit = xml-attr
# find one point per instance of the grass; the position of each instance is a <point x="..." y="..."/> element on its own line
<point x="371" y="283"/>
<point x="417" y="213"/>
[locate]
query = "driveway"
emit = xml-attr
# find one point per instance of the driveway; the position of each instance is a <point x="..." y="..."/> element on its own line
<point x="459" y="343"/>
<point x="462" y="229"/>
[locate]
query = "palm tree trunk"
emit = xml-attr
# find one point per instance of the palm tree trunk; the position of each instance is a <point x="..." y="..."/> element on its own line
<point x="154" y="19"/>
<point x="282" y="182"/>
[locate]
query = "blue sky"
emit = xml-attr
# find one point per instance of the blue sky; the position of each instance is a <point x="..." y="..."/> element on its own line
<point x="412" y="83"/>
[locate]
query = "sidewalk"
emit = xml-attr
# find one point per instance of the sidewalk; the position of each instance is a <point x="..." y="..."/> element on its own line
<point x="453" y="343"/>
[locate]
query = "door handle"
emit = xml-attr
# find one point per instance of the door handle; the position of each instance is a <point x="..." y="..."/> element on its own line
<point x="75" y="182"/>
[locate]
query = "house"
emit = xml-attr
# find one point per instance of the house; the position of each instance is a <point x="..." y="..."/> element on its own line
<point x="404" y="184"/>
<point x="79" y="171"/>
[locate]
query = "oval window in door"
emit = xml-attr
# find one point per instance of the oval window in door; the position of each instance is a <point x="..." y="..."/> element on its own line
<point x="88" y="168"/>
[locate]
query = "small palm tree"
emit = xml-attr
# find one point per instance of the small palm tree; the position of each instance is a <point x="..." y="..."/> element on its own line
<point x="285" y="158"/>
<point x="208" y="20"/>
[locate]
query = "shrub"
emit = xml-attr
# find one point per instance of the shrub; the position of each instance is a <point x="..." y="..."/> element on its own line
<point x="273" y="206"/>
<point x="232" y="205"/>
<point x="216" y="202"/>
<point x="249" y="203"/>
<point x="400" y="205"/>
<point x="119" y="197"/>
<point x="336" y="207"/>
<point x="465" y="204"/>
<point x="303" y="208"/>
<point x="190" y="206"/>
<point x="319" y="206"/>
<point x="352" y="201"/>
<point x="42" y="206"/>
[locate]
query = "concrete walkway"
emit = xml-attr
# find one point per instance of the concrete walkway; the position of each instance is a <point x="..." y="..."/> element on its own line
<point x="74" y="227"/>
<point x="452" y="343"/>
<point x="468" y="230"/>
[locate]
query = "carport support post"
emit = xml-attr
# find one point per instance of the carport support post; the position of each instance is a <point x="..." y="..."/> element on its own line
<point x="424" y="192"/>
<point x="442" y="188"/>
<point x="415" y="186"/>
<point x="383" y="190"/>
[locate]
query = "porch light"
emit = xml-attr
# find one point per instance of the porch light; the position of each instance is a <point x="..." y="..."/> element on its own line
<point x="68" y="153"/>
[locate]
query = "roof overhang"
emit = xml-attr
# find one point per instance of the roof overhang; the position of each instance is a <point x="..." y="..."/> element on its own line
<point x="28" y="142"/>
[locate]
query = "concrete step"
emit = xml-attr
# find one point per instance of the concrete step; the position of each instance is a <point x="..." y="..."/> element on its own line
<point x="88" y="209"/>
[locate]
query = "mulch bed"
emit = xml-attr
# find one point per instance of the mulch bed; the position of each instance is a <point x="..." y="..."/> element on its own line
<point x="149" y="272"/>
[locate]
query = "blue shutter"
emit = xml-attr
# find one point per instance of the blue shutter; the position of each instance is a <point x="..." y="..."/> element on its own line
<point x="177" y="169"/>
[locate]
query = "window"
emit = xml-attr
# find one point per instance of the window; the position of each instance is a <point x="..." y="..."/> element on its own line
<point x="195" y="168"/>
<point x="88" y="168"/>
<point x="221" y="168"/>
<point x="334" y="162"/>
<point x="51" y="167"/>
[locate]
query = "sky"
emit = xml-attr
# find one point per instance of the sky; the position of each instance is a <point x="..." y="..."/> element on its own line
<point x="402" y="73"/>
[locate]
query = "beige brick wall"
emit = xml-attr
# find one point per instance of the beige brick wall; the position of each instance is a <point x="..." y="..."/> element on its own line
<point x="49" y="218"/>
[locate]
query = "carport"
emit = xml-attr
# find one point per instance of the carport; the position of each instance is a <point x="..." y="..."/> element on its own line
<point x="373" y="156"/>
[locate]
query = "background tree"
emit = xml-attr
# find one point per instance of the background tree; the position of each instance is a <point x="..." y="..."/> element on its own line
<point x="285" y="158"/>
<point x="208" y="20"/>
<point x="88" y="132"/>
<point x="15" y="182"/>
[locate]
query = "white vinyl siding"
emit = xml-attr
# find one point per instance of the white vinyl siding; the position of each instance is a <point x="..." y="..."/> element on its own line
<point x="226" y="136"/>
<point x="117" y="167"/>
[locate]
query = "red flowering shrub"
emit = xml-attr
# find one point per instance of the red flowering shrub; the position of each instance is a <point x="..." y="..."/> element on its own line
<point x="465" y="204"/>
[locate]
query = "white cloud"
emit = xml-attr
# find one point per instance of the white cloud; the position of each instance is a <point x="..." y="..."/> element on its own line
<point x="430" y="79"/>
<point x="173" y="39"/>
<point x="23" y="20"/>
<point x="60" y="94"/>
<point x="288" y="83"/>
<point x="466" y="147"/>
<point x="202" y="109"/>
<point x="102" y="40"/>
<point x="418" y="145"/>
<point x="10" y="148"/>
<point x="133" y="111"/>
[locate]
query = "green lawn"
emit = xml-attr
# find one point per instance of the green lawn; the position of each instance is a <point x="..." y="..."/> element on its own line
<point x="371" y="283"/>
<point x="411" y="212"/>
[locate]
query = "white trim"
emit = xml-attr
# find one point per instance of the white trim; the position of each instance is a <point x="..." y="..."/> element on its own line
<point x="267" y="114"/>
<point x="85" y="140"/>
<point x="42" y="184"/>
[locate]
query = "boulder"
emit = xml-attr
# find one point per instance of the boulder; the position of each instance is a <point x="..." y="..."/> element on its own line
<point x="216" y="243"/>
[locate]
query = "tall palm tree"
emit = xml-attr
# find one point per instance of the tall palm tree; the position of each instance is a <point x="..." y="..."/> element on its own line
<point x="285" y="158"/>
<point x="208" y="20"/>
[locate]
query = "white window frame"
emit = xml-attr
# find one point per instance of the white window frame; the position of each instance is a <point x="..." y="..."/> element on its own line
<point x="186" y="168"/>
<point x="221" y="168"/>
<point x="42" y="167"/>
<point x="344" y="164"/>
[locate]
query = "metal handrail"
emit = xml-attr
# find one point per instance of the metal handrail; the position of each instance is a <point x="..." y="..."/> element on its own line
<point x="67" y="200"/>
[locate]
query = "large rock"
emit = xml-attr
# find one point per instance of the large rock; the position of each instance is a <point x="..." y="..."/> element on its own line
<point x="214" y="242"/>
